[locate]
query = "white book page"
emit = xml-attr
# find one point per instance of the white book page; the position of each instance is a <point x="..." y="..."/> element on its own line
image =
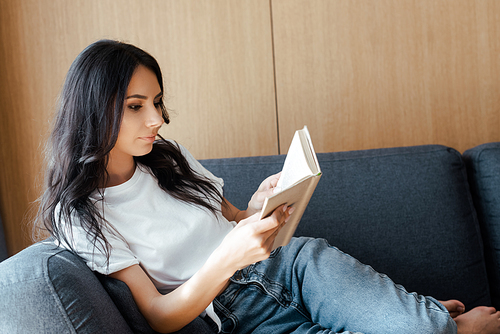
<point x="295" y="167"/>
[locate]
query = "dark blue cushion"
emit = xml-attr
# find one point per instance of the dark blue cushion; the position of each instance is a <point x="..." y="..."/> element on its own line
<point x="405" y="211"/>
<point x="122" y="297"/>
<point x="483" y="164"/>
<point x="45" y="290"/>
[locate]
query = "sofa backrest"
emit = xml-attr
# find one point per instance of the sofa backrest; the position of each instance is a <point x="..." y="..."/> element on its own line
<point x="407" y="212"/>
<point x="483" y="164"/>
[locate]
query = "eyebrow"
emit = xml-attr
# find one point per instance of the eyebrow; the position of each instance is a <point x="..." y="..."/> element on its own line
<point x="138" y="96"/>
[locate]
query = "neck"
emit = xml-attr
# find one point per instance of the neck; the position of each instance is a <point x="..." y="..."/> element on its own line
<point x="120" y="169"/>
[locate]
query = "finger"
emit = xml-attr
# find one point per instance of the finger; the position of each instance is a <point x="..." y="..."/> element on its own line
<point x="281" y="215"/>
<point x="270" y="182"/>
<point x="273" y="234"/>
<point x="277" y="217"/>
<point x="263" y="194"/>
<point x="269" y="224"/>
<point x="287" y="212"/>
<point x="272" y="237"/>
<point x="269" y="244"/>
<point x="274" y="179"/>
<point x="290" y="211"/>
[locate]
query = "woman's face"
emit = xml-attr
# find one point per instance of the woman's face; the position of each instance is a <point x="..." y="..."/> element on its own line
<point x="142" y="116"/>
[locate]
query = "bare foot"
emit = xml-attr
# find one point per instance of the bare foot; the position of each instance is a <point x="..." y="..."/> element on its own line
<point x="454" y="307"/>
<point x="481" y="320"/>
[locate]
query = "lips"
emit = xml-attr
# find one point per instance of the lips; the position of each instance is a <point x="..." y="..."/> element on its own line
<point x="149" y="139"/>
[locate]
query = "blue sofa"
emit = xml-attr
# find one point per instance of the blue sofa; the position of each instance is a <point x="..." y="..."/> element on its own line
<point x="427" y="216"/>
<point x="3" y="245"/>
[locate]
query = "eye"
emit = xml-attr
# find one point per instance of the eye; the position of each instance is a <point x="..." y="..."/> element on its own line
<point x="135" y="107"/>
<point x="158" y="104"/>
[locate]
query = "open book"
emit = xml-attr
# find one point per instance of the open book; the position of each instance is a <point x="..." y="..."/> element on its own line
<point x="297" y="182"/>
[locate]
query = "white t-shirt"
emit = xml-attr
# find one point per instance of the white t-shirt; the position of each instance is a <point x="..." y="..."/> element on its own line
<point x="168" y="238"/>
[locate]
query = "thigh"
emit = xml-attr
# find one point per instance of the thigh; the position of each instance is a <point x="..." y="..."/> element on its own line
<point x="257" y="301"/>
<point x="309" y="281"/>
<point x="342" y="294"/>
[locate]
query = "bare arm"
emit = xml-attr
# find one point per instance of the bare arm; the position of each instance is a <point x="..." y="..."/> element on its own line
<point x="249" y="242"/>
<point x="171" y="312"/>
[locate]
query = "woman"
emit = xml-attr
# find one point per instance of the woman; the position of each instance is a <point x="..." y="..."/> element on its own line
<point x="149" y="214"/>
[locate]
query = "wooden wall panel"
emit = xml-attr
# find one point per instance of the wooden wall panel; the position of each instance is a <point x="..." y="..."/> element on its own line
<point x="216" y="56"/>
<point x="221" y="70"/>
<point x="368" y="74"/>
<point x="360" y="73"/>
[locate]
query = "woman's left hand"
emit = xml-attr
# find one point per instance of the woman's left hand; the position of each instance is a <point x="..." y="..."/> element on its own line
<point x="266" y="188"/>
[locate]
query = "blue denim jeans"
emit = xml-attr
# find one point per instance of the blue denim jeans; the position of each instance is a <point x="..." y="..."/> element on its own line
<point x="309" y="286"/>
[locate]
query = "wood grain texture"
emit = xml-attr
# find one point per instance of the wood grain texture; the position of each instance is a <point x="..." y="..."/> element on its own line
<point x="216" y="56"/>
<point x="368" y="74"/>
<point x="219" y="68"/>
<point x="360" y="73"/>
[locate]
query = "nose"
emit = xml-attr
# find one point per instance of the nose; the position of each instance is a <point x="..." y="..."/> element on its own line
<point x="154" y="117"/>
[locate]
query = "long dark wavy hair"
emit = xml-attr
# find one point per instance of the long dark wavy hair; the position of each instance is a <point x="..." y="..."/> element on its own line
<point x="86" y="128"/>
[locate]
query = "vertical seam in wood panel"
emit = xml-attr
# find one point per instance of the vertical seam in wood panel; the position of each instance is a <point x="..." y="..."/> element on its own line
<point x="274" y="76"/>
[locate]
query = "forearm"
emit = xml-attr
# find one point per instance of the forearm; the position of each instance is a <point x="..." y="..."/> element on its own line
<point x="232" y="213"/>
<point x="170" y="312"/>
<point x="173" y="311"/>
<point x="242" y="214"/>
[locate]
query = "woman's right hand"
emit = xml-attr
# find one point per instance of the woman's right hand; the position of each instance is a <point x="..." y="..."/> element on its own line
<point x="250" y="241"/>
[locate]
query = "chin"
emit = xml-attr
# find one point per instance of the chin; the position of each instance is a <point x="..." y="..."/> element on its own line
<point x="144" y="151"/>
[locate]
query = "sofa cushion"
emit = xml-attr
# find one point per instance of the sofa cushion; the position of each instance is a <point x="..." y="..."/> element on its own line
<point x="405" y="211"/>
<point x="48" y="290"/>
<point x="483" y="164"/>
<point x="122" y="297"/>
